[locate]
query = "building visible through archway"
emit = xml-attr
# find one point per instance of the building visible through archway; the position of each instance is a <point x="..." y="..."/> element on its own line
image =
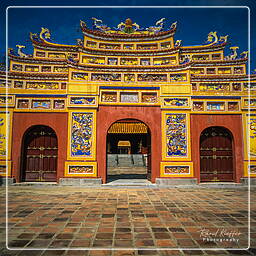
<point x="39" y="154"/>
<point x="128" y="150"/>
<point x="216" y="155"/>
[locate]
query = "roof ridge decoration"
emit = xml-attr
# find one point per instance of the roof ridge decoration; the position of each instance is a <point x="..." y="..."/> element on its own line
<point x="44" y="35"/>
<point x="213" y="38"/>
<point x="128" y="27"/>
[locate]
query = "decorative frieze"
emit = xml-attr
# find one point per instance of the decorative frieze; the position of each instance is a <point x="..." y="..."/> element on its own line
<point x="164" y="61"/>
<point x="176" y="170"/>
<point x="129" y="78"/>
<point x="250" y="103"/>
<point x="32" y="68"/>
<point x="6" y="100"/>
<point x="17" y="67"/>
<point x="58" y="104"/>
<point x="233" y="106"/>
<point x="18" y="84"/>
<point x="251" y="86"/>
<point x="174" y="102"/>
<point x="42" y="85"/>
<point x="60" y="69"/>
<point x="215" y="106"/>
<point x="152" y="77"/>
<point x="23" y="103"/>
<point x="146" y="46"/>
<point x="109" y="97"/>
<point x="112" y="61"/>
<point x="46" y="69"/>
<point x="129" y="97"/>
<point x="198" y="106"/>
<point x="56" y="55"/>
<point x="178" y="77"/>
<point x="81" y="101"/>
<point x="236" y="87"/>
<point x="129" y="61"/>
<point x="93" y="60"/>
<point x="106" y="77"/>
<point x="79" y="76"/>
<point x="214" y="87"/>
<point x="110" y="46"/>
<point x="147" y="97"/>
<point x="40" y="54"/>
<point x="41" y="104"/>
<point x="79" y="169"/>
<point x="91" y="44"/>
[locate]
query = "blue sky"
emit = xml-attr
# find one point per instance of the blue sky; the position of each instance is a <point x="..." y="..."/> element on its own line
<point x="193" y="23"/>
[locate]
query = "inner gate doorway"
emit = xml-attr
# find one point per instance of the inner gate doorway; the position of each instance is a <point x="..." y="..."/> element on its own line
<point x="128" y="151"/>
<point x="39" y="155"/>
<point x="216" y="155"/>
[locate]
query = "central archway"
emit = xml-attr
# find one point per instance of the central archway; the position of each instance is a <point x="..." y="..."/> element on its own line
<point x="128" y="150"/>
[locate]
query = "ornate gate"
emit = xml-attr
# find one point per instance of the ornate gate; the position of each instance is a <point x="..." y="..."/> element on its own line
<point x="216" y="155"/>
<point x="40" y="150"/>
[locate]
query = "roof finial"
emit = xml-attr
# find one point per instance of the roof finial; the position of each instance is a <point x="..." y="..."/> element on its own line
<point x="21" y="54"/>
<point x="212" y="37"/>
<point x="45" y="33"/>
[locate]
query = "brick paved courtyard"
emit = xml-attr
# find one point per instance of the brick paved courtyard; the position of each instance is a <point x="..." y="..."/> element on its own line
<point x="133" y="220"/>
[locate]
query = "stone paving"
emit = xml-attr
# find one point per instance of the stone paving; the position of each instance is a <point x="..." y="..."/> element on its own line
<point x="133" y="221"/>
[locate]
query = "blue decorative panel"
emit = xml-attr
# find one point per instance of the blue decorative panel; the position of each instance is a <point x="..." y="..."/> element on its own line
<point x="82" y="100"/>
<point x="176" y="135"/>
<point x="81" y="134"/>
<point x="176" y="102"/>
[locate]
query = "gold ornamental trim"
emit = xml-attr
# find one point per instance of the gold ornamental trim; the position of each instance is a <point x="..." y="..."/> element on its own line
<point x="128" y="128"/>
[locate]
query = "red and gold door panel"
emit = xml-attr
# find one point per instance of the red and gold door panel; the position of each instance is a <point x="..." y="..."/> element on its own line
<point x="40" y="153"/>
<point x="216" y="155"/>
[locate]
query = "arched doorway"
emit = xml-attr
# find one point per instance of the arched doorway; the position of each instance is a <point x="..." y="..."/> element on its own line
<point x="128" y="150"/>
<point x="39" y="154"/>
<point x="216" y="155"/>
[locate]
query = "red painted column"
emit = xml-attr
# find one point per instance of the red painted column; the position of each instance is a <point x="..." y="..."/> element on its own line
<point x="107" y="115"/>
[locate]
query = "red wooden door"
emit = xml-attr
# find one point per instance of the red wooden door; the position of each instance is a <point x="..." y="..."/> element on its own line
<point x="216" y="155"/>
<point x="40" y="154"/>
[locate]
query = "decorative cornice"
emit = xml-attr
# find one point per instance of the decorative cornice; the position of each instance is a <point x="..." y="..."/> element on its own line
<point x="202" y="48"/>
<point x="198" y="63"/>
<point x="217" y="78"/>
<point x="37" y="76"/>
<point x="102" y="68"/>
<point x="37" y="60"/>
<point x="127" y="37"/>
<point x="129" y="53"/>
